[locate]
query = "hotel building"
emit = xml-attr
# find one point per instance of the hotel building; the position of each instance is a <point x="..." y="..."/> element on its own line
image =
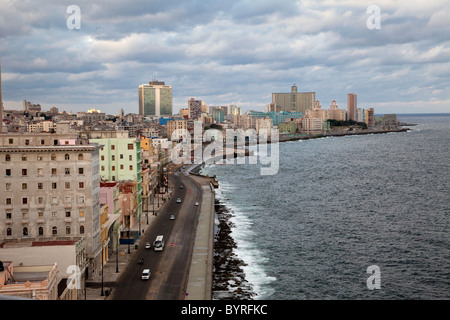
<point x="155" y="99"/>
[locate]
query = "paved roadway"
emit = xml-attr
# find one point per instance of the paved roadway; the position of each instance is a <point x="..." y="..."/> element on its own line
<point x="169" y="268"/>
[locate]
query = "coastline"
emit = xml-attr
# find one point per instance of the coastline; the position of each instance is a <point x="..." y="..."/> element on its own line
<point x="229" y="280"/>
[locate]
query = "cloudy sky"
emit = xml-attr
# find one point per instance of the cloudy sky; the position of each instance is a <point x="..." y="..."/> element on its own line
<point x="225" y="52"/>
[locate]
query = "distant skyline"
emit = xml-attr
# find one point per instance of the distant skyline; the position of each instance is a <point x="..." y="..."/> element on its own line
<point x="226" y="52"/>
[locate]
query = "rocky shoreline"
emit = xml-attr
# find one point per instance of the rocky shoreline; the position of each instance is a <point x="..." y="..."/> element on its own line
<point x="229" y="281"/>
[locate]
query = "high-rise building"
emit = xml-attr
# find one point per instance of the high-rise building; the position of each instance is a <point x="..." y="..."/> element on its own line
<point x="370" y="117"/>
<point x="195" y="108"/>
<point x="50" y="190"/>
<point x="155" y="99"/>
<point x="294" y="101"/>
<point x="352" y="107"/>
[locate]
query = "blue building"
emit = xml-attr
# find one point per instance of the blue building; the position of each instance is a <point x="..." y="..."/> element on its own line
<point x="277" y="117"/>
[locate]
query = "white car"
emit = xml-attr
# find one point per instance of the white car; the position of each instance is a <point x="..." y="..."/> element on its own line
<point x="147" y="245"/>
<point x="146" y="274"/>
<point x="179" y="200"/>
<point x="172" y="217"/>
<point x="196" y="203"/>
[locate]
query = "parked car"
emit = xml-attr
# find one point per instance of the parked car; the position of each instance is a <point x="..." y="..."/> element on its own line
<point x="196" y="203"/>
<point x="172" y="217"/>
<point x="181" y="187"/>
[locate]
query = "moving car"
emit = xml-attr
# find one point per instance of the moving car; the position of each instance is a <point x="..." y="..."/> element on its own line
<point x="172" y="217"/>
<point x="146" y="274"/>
<point x="196" y="203"/>
<point x="147" y="245"/>
<point x="178" y="200"/>
<point x="181" y="187"/>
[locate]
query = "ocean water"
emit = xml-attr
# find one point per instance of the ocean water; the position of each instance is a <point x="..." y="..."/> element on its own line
<point x="339" y="205"/>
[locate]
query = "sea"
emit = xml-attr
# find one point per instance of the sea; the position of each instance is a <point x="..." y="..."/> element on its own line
<point x="351" y="217"/>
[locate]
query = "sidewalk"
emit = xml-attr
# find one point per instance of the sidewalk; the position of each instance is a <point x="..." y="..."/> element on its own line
<point x="119" y="262"/>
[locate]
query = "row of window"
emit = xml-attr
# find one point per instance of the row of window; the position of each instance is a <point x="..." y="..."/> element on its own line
<point x="113" y="157"/>
<point x="40" y="157"/>
<point x="113" y="168"/>
<point x="130" y="147"/>
<point x="40" y="171"/>
<point x="41" y="231"/>
<point x="40" y="186"/>
<point x="68" y="214"/>
<point x="54" y="200"/>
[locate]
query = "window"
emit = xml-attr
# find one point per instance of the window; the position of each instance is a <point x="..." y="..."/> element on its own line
<point x="40" y="200"/>
<point x="8" y="186"/>
<point x="80" y="156"/>
<point x="40" y="172"/>
<point x="103" y="168"/>
<point x="113" y="158"/>
<point x="81" y="229"/>
<point x="24" y="186"/>
<point x="81" y="199"/>
<point x="54" y="200"/>
<point x="8" y="215"/>
<point x="66" y="157"/>
<point x="8" y="201"/>
<point x="130" y="146"/>
<point x="54" y="231"/>
<point x="131" y="168"/>
<point x="8" y="172"/>
<point x="40" y="214"/>
<point x="39" y="158"/>
<point x="40" y="186"/>
<point x="67" y="170"/>
<point x="113" y="168"/>
<point x="53" y="157"/>
<point x="67" y="185"/>
<point x="103" y="158"/>
<point x="80" y="170"/>
<point x="41" y="231"/>
<point x="68" y="230"/>
<point x="7" y="157"/>
<point x="81" y="213"/>
<point x="11" y="141"/>
<point x="27" y="142"/>
<point x="67" y="214"/>
<point x="24" y="200"/>
<point x="24" y="157"/>
<point x="54" y="214"/>
<point x="42" y="141"/>
<point x="113" y="147"/>
<point x="24" y="214"/>
<point x="9" y="232"/>
<point x="54" y="171"/>
<point x="67" y="199"/>
<point x="81" y="185"/>
<point x="121" y="156"/>
<point x="24" y="172"/>
<point x="54" y="185"/>
<point x="130" y="157"/>
<point x="121" y="167"/>
<point x="25" y="231"/>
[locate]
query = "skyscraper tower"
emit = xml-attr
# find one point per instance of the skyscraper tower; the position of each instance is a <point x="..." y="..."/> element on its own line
<point x="155" y="99"/>
<point x="351" y="107"/>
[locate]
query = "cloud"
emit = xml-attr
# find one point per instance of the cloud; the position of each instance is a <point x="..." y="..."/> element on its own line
<point x="224" y="51"/>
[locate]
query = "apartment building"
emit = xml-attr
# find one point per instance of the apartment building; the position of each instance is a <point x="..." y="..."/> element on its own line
<point x="50" y="190"/>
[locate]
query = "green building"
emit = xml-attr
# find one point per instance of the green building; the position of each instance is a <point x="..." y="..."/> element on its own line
<point x="120" y="160"/>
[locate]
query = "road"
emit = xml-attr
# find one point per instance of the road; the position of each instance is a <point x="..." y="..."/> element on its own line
<point x="169" y="268"/>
